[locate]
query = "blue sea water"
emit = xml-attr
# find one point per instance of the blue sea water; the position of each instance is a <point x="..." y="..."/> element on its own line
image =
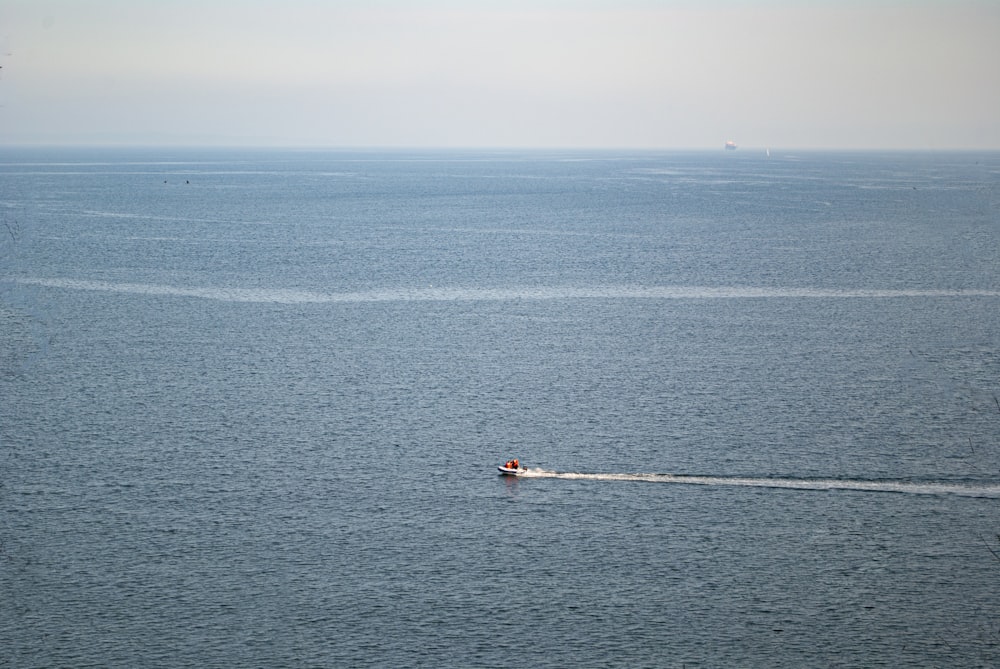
<point x="252" y="404"/>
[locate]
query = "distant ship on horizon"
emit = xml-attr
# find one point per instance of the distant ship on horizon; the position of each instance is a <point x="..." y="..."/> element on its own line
<point x="730" y="146"/>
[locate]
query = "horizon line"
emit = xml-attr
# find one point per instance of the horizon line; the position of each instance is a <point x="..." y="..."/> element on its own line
<point x="721" y="148"/>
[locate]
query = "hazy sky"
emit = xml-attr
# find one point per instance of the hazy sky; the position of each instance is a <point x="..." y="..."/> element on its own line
<point x="550" y="73"/>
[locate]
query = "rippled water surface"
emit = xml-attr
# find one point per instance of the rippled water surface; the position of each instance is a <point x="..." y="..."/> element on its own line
<point x="252" y="404"/>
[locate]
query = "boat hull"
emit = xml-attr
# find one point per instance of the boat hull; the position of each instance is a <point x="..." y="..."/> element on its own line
<point x="507" y="471"/>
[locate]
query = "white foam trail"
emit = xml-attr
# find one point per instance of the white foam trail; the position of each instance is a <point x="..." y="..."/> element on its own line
<point x="991" y="490"/>
<point x="430" y="294"/>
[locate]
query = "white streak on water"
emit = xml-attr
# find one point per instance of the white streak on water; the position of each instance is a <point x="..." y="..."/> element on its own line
<point x="991" y="490"/>
<point x="287" y="296"/>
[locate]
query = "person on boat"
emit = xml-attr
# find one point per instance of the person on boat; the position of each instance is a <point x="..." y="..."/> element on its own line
<point x="515" y="463"/>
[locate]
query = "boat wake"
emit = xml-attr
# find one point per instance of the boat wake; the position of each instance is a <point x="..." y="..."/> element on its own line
<point x="527" y="293"/>
<point x="989" y="490"/>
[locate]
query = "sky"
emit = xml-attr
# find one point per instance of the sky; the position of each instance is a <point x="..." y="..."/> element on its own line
<point x="846" y="74"/>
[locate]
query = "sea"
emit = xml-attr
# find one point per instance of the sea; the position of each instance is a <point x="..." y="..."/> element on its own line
<point x="252" y="404"/>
